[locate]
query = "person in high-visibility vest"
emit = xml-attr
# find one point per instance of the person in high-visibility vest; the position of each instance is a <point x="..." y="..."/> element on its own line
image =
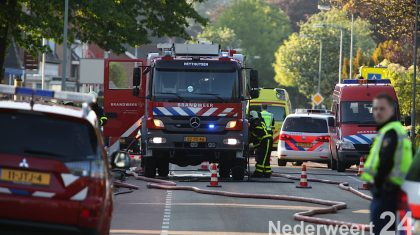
<point x="268" y="118"/>
<point x="387" y="164"/>
<point x="262" y="141"/>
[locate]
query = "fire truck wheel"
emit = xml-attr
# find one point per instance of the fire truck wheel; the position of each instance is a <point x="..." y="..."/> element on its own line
<point x="163" y="167"/>
<point x="224" y="170"/>
<point x="281" y="162"/>
<point x="238" y="170"/>
<point x="150" y="167"/>
<point x="341" y="167"/>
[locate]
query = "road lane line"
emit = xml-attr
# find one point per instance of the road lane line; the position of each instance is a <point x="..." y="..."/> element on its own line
<point x="166" y="214"/>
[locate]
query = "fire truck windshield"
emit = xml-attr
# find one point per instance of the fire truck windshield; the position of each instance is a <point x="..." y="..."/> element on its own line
<point x="357" y="112"/>
<point x="195" y="84"/>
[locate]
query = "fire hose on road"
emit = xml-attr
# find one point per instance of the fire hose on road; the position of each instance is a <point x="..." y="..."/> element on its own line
<point x="306" y="216"/>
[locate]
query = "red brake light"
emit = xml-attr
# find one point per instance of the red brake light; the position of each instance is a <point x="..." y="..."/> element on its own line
<point x="285" y="137"/>
<point x="323" y="139"/>
<point x="403" y="201"/>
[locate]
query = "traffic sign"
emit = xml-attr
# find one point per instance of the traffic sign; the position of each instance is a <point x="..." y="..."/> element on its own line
<point x="374" y="76"/>
<point x="372" y="73"/>
<point x="317" y="99"/>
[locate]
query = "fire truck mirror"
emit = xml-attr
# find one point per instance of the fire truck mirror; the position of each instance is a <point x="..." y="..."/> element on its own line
<point x="136" y="76"/>
<point x="254" y="93"/>
<point x="254" y="78"/>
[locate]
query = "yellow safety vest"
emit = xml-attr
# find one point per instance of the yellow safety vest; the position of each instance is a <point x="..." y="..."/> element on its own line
<point x="268" y="119"/>
<point x="402" y="156"/>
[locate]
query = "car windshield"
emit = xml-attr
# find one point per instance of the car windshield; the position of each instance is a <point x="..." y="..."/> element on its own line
<point x="279" y="112"/>
<point x="305" y="124"/>
<point x="217" y="86"/>
<point x="45" y="136"/>
<point x="357" y="112"/>
<point x="414" y="172"/>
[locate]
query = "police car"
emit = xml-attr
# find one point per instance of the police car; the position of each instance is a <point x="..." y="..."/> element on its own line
<point x="305" y="136"/>
<point x="53" y="168"/>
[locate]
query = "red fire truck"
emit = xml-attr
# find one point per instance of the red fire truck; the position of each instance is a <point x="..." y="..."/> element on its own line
<point x="189" y="103"/>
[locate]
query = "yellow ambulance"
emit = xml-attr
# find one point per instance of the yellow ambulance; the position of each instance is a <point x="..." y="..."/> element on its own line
<point x="278" y="103"/>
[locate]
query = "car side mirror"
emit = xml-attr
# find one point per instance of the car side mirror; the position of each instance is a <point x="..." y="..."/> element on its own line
<point x="136" y="76"/>
<point x="254" y="93"/>
<point x="331" y="122"/>
<point x="120" y="159"/>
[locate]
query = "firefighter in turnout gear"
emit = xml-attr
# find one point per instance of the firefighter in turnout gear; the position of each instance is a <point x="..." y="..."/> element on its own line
<point x="262" y="141"/>
<point x="268" y="118"/>
<point x="102" y="119"/>
<point x="387" y="164"/>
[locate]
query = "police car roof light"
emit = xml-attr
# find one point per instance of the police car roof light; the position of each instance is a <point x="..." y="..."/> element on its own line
<point x="365" y="81"/>
<point x="312" y="111"/>
<point x="59" y="95"/>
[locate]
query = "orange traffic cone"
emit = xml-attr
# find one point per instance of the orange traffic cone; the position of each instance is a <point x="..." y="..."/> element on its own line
<point x="214" y="182"/>
<point x="204" y="166"/>
<point x="361" y="166"/>
<point x="303" y="179"/>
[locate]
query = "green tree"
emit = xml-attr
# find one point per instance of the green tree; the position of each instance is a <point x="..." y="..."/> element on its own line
<point x="108" y="23"/>
<point x="260" y="28"/>
<point x="224" y="36"/>
<point x="297" y="59"/>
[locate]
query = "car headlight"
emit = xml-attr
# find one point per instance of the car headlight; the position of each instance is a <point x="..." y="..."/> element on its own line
<point x="345" y="145"/>
<point x="158" y="123"/>
<point x="231" y="141"/>
<point x="157" y="140"/>
<point x="231" y="124"/>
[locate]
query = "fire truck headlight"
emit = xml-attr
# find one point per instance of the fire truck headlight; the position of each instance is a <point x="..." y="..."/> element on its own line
<point x="158" y="123"/>
<point x="346" y="145"/>
<point x="157" y="140"/>
<point x="231" y="141"/>
<point x="231" y="124"/>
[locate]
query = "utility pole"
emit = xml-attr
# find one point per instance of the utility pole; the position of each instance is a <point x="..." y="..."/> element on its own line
<point x="44" y="42"/>
<point x="64" y="65"/>
<point x="351" y="47"/>
<point x="341" y="56"/>
<point x="414" y="92"/>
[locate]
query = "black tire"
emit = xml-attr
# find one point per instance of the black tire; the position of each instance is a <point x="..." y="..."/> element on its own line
<point x="150" y="167"/>
<point x="163" y="167"/>
<point x="238" y="170"/>
<point x="333" y="163"/>
<point x="224" y="170"/>
<point x="281" y="162"/>
<point x="341" y="167"/>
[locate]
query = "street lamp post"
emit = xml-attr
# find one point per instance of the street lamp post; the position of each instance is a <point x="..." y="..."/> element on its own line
<point x="341" y="45"/>
<point x="351" y="47"/>
<point x="64" y="69"/>
<point x="414" y="92"/>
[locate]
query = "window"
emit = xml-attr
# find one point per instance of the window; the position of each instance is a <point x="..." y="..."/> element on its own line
<point x="279" y="112"/>
<point x="44" y="136"/>
<point x="220" y="85"/>
<point x="120" y="75"/>
<point x="305" y="124"/>
<point x="358" y="112"/>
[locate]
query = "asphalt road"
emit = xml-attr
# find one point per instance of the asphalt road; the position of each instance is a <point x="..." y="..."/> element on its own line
<point x="155" y="211"/>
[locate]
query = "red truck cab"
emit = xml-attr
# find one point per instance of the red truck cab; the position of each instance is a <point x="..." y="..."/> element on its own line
<point x="355" y="127"/>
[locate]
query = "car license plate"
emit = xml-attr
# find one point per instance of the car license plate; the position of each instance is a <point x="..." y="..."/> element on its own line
<point x="304" y="145"/>
<point x="195" y="139"/>
<point x="25" y="177"/>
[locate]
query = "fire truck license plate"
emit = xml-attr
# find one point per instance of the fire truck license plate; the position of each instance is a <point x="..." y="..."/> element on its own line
<point x="304" y="145"/>
<point x="25" y="177"/>
<point x="195" y="139"/>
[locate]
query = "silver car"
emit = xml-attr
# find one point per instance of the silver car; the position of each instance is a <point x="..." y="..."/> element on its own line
<point x="410" y="199"/>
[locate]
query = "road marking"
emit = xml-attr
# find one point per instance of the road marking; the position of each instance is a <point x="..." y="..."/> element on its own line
<point x="152" y="232"/>
<point x="167" y="214"/>
<point x="364" y="211"/>
<point x="236" y="205"/>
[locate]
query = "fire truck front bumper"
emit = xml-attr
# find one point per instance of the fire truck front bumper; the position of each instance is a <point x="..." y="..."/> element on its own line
<point x="231" y="141"/>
